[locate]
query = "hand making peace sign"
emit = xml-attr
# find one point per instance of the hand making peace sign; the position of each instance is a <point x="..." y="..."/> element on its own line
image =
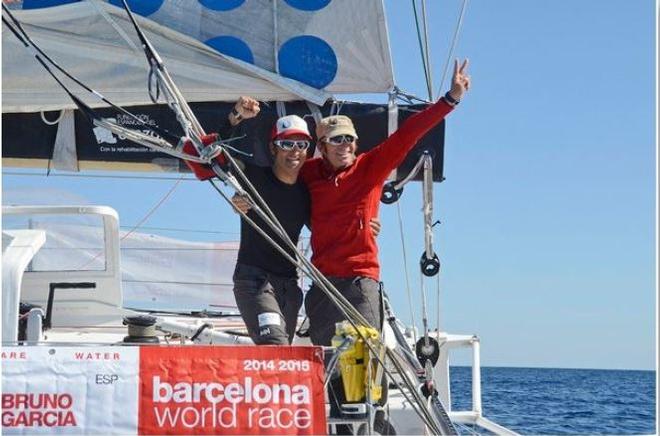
<point x="460" y="80"/>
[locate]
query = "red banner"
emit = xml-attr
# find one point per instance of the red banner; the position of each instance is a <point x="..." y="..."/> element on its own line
<point x="231" y="390"/>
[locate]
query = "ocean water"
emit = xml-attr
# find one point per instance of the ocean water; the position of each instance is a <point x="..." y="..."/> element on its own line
<point x="562" y="401"/>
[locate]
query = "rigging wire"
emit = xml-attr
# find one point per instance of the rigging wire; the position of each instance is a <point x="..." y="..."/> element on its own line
<point x="152" y="211"/>
<point x="421" y="48"/>
<point x="175" y="99"/>
<point x="146" y="217"/>
<point x="437" y="297"/>
<point x="454" y="41"/>
<point x="405" y="269"/>
<point x="44" y="58"/>
<point x="427" y="50"/>
<point x="180" y="230"/>
<point x="424" y="51"/>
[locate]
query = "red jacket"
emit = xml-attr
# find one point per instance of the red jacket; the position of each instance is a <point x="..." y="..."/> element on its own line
<point x="344" y="201"/>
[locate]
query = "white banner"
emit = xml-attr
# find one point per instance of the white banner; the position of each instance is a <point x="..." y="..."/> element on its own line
<point x="70" y="390"/>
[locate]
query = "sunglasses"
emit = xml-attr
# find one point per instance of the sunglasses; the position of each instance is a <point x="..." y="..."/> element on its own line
<point x="340" y="139"/>
<point x="290" y="144"/>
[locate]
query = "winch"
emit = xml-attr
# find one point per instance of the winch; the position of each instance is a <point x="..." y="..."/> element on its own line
<point x="141" y="329"/>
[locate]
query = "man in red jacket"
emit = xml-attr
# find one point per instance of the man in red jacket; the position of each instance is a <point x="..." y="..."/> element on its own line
<point x="345" y="191"/>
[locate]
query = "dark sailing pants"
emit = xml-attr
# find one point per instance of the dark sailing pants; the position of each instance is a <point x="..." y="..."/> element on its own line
<point x="269" y="304"/>
<point x="361" y="292"/>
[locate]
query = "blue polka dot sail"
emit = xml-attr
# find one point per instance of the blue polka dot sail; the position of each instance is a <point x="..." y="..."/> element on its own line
<point x="334" y="45"/>
<point x="308" y="59"/>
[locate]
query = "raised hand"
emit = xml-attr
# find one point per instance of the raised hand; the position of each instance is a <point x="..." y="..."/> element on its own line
<point x="247" y="107"/>
<point x="460" y="80"/>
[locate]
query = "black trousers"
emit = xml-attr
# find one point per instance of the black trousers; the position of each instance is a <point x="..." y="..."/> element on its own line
<point x="268" y="303"/>
<point x="361" y="292"/>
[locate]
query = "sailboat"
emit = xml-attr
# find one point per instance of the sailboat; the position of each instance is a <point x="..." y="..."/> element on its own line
<point x="294" y="58"/>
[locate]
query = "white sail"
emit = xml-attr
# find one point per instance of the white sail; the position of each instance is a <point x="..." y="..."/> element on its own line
<point x="291" y="50"/>
<point x="89" y="46"/>
<point x="337" y="45"/>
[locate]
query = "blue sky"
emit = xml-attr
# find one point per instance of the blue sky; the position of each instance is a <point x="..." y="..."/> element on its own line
<point x="548" y="239"/>
<point x="548" y="209"/>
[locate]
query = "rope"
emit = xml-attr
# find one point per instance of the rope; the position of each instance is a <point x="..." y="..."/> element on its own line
<point x="135" y="227"/>
<point x="151" y="212"/>
<point x="425" y="320"/>
<point x="421" y="48"/>
<point x="405" y="269"/>
<point x="454" y="41"/>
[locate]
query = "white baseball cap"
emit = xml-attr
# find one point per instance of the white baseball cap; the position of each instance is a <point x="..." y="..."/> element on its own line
<point x="288" y="126"/>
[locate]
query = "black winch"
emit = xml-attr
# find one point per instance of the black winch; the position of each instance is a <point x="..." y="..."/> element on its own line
<point x="141" y="329"/>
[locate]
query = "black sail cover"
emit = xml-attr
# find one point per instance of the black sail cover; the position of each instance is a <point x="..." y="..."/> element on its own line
<point x="29" y="142"/>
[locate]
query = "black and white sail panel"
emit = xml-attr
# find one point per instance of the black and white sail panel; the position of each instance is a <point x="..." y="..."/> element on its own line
<point x="73" y="144"/>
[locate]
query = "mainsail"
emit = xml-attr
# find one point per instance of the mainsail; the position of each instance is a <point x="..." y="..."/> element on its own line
<point x="338" y="45"/>
<point x="94" y="41"/>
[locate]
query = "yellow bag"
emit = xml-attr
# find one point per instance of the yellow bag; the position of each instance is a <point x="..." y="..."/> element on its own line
<point x="355" y="360"/>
